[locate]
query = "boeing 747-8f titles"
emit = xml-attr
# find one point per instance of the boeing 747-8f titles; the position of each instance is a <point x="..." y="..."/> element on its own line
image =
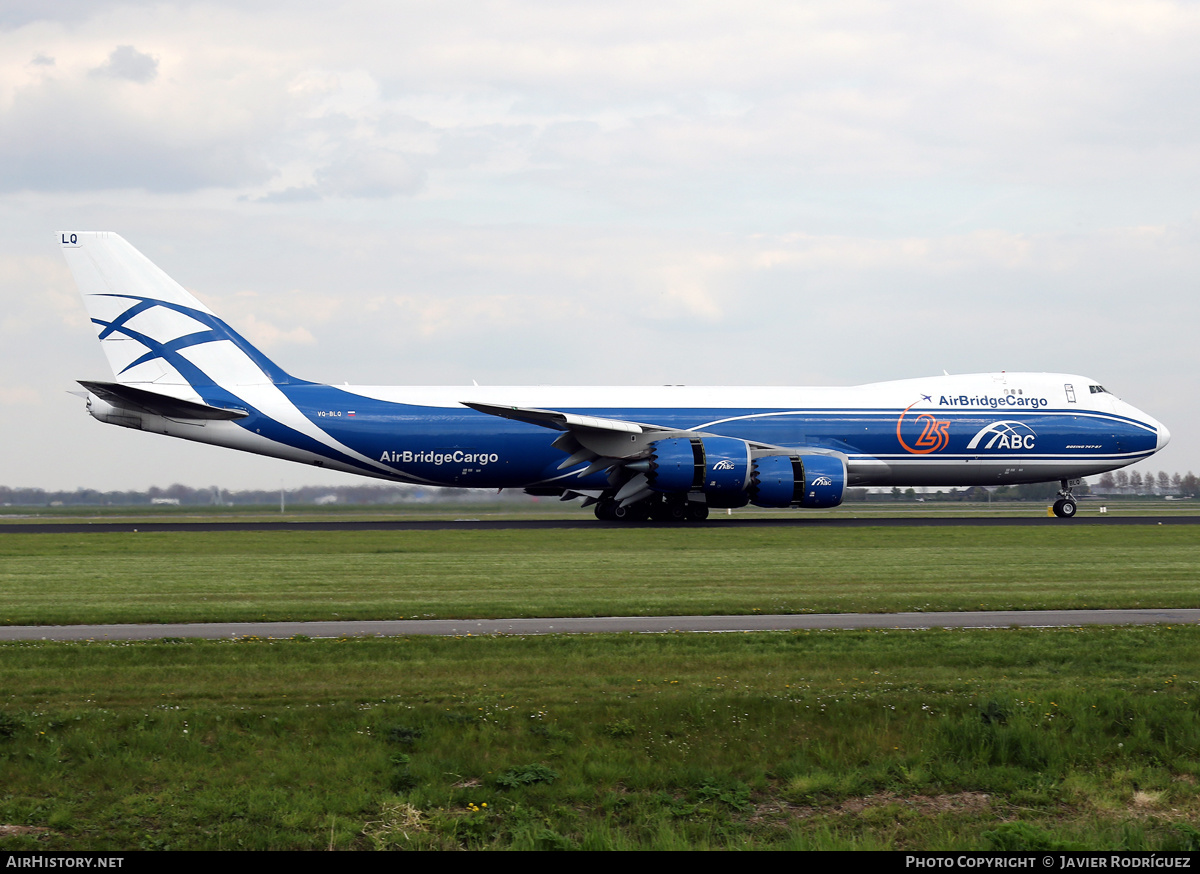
<point x="661" y="452"/>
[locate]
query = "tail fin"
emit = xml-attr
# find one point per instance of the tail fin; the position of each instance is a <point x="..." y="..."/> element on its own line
<point x="151" y="329"/>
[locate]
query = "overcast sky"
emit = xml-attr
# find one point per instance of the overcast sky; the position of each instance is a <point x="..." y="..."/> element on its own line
<point x="614" y="193"/>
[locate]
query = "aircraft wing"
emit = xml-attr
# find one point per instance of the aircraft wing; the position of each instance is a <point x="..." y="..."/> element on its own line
<point x="573" y="423"/>
<point x="607" y="444"/>
<point x="630" y="451"/>
<point x="564" y="421"/>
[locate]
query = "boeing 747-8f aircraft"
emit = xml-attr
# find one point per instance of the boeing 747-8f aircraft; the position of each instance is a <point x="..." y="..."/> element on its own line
<point x="659" y="452"/>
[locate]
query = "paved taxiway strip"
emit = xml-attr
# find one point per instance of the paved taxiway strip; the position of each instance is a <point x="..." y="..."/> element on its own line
<point x="605" y="624"/>
<point x="584" y="521"/>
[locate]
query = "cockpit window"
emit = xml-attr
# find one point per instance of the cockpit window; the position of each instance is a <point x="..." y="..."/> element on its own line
<point x="1097" y="389"/>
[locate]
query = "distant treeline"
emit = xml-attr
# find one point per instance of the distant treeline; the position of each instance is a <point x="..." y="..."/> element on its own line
<point x="1118" y="483"/>
<point x="1113" y="484"/>
<point x="214" y="496"/>
<point x="1136" y="483"/>
<point x="1025" y="492"/>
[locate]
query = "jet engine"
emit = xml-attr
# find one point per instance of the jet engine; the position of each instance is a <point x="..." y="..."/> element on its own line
<point x="725" y="471"/>
<point x="811" y="481"/>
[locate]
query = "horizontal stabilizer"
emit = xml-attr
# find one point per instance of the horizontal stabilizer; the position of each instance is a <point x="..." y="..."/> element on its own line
<point x="121" y="395"/>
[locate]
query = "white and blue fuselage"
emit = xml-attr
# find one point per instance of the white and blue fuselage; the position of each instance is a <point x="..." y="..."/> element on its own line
<point x="183" y="372"/>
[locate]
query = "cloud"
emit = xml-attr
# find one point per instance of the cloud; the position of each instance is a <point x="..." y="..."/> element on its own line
<point x="681" y="111"/>
<point x="122" y="125"/>
<point x="17" y="397"/>
<point x="269" y="336"/>
<point x="291" y="194"/>
<point x="629" y="193"/>
<point x="370" y="173"/>
<point x="39" y="294"/>
<point x="128" y="63"/>
<point x="79" y="139"/>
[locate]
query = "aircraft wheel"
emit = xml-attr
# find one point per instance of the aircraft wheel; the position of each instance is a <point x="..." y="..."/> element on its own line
<point x="697" y="512"/>
<point x="660" y="510"/>
<point x="676" y="511"/>
<point x="638" y="512"/>
<point x="1065" y="508"/>
<point x="605" y="511"/>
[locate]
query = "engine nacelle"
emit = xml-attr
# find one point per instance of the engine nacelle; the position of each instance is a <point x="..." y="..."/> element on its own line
<point x="824" y="480"/>
<point x="676" y="465"/>
<point x="777" y="481"/>
<point x="811" y="481"/>
<point x="713" y="465"/>
<point x="722" y="469"/>
<point x="726" y="466"/>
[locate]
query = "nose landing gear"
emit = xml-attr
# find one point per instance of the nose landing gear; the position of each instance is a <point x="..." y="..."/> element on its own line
<point x="1066" y="506"/>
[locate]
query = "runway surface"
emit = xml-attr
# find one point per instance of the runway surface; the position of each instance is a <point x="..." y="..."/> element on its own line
<point x="585" y="521"/>
<point x="605" y="625"/>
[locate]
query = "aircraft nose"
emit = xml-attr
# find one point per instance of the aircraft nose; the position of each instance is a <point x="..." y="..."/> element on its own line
<point x="1164" y="436"/>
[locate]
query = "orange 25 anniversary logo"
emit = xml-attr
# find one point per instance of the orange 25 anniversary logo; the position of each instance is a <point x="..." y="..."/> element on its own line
<point x="935" y="432"/>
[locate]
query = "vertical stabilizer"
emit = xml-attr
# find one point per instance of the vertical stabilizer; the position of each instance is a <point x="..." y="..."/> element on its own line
<point x="153" y="331"/>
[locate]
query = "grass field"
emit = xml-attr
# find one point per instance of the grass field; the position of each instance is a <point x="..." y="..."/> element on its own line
<point x="935" y="740"/>
<point x="998" y="739"/>
<point x="88" y="578"/>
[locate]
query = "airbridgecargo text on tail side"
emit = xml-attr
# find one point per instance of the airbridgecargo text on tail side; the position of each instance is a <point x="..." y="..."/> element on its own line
<point x="659" y="452"/>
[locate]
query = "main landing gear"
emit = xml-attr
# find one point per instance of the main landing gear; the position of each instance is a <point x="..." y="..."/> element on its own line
<point x="1066" y="506"/>
<point x="656" y="509"/>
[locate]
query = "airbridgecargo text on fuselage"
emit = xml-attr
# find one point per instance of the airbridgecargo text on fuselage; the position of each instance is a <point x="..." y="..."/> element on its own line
<point x="437" y="458"/>
<point x="993" y="402"/>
